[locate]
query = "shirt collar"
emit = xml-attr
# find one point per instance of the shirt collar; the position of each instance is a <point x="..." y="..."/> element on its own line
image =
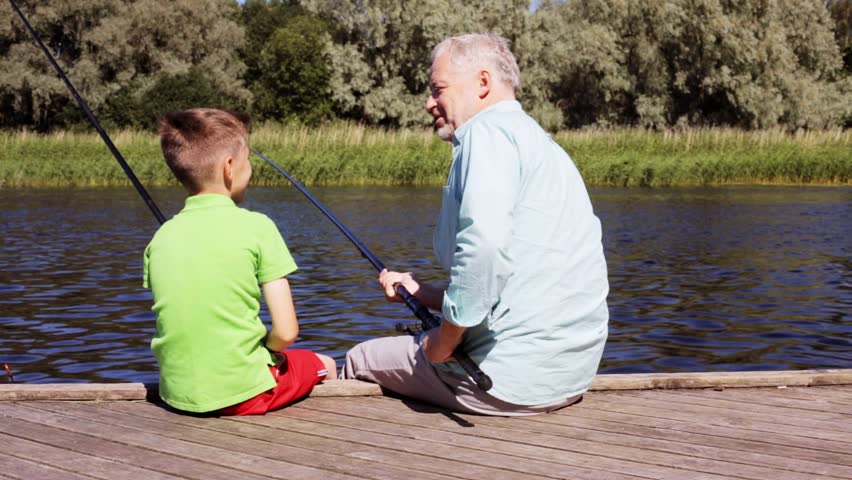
<point x="209" y="200"/>
<point x="503" y="106"/>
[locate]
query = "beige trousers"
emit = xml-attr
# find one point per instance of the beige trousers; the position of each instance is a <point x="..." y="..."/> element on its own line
<point x="399" y="364"/>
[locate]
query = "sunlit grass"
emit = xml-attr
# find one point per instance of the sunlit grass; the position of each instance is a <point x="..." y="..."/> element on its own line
<point x="353" y="154"/>
<point x="635" y="157"/>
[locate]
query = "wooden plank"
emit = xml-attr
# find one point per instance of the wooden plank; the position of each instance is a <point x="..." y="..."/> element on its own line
<point x="825" y="396"/>
<point x="832" y="397"/>
<point x="237" y="443"/>
<point x="346" y="388"/>
<point x="660" y="410"/>
<point x="598" y="447"/>
<point x="72" y="461"/>
<point x="603" y="408"/>
<point x="336" y="388"/>
<point x="207" y="455"/>
<point x="805" y="393"/>
<point x="463" y="439"/>
<point x="701" y="405"/>
<point x="72" y="391"/>
<point x="693" y="434"/>
<point x="815" y="407"/>
<point x="18" y="468"/>
<point x="326" y="439"/>
<point x="139" y="391"/>
<point x="719" y="449"/>
<point x="686" y="445"/>
<point x="358" y="432"/>
<point x="732" y="399"/>
<point x="328" y="388"/>
<point x="464" y="425"/>
<point x="72" y="442"/>
<point x="646" y="381"/>
<point x="839" y="394"/>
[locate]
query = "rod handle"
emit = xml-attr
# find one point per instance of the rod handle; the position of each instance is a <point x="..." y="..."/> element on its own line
<point x="430" y="321"/>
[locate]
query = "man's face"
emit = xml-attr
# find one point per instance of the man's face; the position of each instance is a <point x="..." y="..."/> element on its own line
<point x="454" y="96"/>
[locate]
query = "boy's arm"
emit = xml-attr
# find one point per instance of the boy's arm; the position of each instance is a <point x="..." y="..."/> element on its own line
<point x="285" y="326"/>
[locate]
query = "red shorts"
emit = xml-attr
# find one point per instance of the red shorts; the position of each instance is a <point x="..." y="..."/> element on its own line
<point x="296" y="372"/>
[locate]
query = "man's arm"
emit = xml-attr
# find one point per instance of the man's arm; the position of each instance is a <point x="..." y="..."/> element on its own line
<point x="489" y="186"/>
<point x="440" y="343"/>
<point x="285" y="325"/>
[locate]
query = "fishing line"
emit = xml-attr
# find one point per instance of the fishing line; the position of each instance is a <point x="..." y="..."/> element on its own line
<point x="127" y="170"/>
<point x="427" y="319"/>
<point x="420" y="311"/>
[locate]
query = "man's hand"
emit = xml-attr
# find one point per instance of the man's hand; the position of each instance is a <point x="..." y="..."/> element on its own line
<point x="429" y="295"/>
<point x="388" y="280"/>
<point x="440" y="343"/>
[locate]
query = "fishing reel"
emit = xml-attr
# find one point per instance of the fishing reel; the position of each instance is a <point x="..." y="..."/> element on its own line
<point x="409" y="329"/>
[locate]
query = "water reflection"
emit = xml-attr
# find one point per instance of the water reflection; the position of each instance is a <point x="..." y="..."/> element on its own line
<point x="701" y="279"/>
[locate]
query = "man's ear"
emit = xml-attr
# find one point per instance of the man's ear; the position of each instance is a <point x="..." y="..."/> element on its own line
<point x="484" y="83"/>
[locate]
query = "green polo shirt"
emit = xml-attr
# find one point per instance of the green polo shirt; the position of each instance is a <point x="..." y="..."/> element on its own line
<point x="204" y="267"/>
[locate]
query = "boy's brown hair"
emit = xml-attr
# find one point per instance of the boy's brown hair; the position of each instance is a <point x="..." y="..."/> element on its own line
<point x="194" y="140"/>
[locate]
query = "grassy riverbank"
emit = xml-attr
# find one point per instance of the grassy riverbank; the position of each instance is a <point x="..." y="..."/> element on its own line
<point x="348" y="154"/>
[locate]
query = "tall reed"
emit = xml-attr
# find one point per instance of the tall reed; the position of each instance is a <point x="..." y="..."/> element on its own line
<point x="352" y="154"/>
<point x="716" y="156"/>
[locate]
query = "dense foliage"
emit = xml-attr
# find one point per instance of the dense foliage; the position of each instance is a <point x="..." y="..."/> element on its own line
<point x="750" y="64"/>
<point x="118" y="53"/>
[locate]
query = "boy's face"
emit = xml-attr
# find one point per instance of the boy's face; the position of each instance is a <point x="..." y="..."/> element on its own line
<point x="241" y="173"/>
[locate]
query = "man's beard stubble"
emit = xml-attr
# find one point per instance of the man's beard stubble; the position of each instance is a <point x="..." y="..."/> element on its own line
<point x="446" y="132"/>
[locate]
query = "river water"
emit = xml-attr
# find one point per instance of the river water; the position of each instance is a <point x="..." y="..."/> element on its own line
<point x="702" y="279"/>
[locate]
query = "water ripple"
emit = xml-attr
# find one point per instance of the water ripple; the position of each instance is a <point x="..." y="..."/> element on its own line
<point x="734" y="278"/>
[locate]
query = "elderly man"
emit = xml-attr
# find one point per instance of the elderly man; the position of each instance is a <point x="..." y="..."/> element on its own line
<point x="527" y="288"/>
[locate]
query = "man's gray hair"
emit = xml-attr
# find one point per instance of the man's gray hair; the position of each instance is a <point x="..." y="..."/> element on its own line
<point x="482" y="49"/>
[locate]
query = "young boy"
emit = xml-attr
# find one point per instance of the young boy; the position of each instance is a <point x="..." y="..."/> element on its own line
<point x="204" y="266"/>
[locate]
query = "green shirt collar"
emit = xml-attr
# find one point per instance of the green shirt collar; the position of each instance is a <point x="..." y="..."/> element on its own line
<point x="209" y="200"/>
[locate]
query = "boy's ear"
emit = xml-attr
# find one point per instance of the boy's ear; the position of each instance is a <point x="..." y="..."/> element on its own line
<point x="228" y="172"/>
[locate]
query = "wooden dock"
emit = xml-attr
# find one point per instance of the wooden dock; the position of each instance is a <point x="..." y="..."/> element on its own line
<point x="796" y="425"/>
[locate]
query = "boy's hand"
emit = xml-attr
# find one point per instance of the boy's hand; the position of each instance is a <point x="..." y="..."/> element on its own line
<point x="280" y="361"/>
<point x="285" y="325"/>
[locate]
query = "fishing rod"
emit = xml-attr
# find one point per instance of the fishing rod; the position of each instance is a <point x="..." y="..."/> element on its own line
<point x="127" y="170"/>
<point x="426" y="317"/>
<point x="429" y="320"/>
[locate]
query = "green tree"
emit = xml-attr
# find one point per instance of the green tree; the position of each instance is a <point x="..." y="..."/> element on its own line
<point x="578" y="76"/>
<point x="30" y="92"/>
<point x="745" y="63"/>
<point x="137" y="108"/>
<point x="293" y="80"/>
<point x="260" y="19"/>
<point x="841" y="13"/>
<point x="123" y="47"/>
<point x="380" y="50"/>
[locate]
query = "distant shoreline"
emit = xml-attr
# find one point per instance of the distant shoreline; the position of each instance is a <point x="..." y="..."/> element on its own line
<point x="344" y="154"/>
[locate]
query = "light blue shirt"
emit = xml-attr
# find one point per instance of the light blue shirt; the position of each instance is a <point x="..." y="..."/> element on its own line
<point x="523" y="248"/>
